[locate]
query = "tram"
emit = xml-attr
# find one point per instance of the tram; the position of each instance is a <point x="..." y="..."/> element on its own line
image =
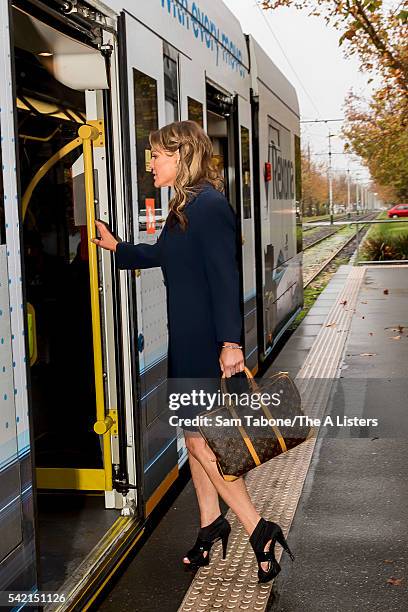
<point x="84" y="455"/>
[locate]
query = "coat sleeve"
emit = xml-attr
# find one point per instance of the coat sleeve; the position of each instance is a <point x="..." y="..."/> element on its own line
<point x="130" y="256"/>
<point x="217" y="235"/>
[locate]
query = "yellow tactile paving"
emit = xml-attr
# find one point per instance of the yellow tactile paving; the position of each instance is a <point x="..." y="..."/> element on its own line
<point x="275" y="487"/>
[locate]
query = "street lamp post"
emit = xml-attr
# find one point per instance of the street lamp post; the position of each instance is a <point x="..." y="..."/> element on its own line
<point x="330" y="181"/>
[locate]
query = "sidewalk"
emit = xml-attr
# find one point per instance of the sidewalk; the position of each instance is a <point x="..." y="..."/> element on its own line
<point x="350" y="531"/>
<point x="343" y="499"/>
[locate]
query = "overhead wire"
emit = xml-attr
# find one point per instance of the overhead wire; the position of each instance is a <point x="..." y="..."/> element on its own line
<point x="288" y="60"/>
<point x="294" y="72"/>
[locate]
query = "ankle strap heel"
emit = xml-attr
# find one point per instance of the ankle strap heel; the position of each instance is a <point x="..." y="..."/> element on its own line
<point x="264" y="532"/>
<point x="219" y="529"/>
<point x="282" y="541"/>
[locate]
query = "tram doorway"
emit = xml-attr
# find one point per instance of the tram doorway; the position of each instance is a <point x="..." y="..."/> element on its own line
<point x="57" y="279"/>
<point x="56" y="262"/>
<point x="220" y="129"/>
<point x="62" y="276"/>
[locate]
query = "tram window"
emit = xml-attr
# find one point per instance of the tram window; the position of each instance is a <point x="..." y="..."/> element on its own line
<point x="246" y="172"/>
<point x="274" y="136"/>
<point x="146" y="120"/>
<point x="195" y="111"/>
<point x="2" y="221"/>
<point x="170" y="84"/>
<point x="298" y="195"/>
<point x="298" y="170"/>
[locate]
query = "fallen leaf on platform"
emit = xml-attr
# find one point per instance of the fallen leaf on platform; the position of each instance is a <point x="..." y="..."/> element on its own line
<point x="367" y="354"/>
<point x="385" y="292"/>
<point x="330" y="324"/>
<point x="388" y="561"/>
<point x="395" y="338"/>
<point x="395" y="581"/>
<point x="343" y="303"/>
<point x="364" y="302"/>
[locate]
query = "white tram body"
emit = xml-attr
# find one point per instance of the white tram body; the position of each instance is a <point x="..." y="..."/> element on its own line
<point x="120" y="69"/>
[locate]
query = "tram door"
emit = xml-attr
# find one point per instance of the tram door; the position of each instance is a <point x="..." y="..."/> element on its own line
<point x="18" y="533"/>
<point x="149" y="104"/>
<point x="220" y="129"/>
<point x="227" y="121"/>
<point x="61" y="140"/>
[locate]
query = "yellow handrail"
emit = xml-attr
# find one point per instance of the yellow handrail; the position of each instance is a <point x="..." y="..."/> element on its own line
<point x="87" y="134"/>
<point x="40" y="138"/>
<point x="70" y="146"/>
<point x="32" y="333"/>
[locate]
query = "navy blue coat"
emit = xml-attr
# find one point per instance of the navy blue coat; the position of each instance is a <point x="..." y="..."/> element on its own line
<point x="202" y="282"/>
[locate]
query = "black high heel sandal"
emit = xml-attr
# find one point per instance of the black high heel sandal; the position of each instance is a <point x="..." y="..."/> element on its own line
<point x="207" y="536"/>
<point x="263" y="533"/>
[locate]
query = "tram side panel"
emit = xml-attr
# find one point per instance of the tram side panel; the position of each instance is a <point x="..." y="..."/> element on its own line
<point x="281" y="196"/>
<point x="17" y="533"/>
<point x="202" y="57"/>
<point x="277" y="119"/>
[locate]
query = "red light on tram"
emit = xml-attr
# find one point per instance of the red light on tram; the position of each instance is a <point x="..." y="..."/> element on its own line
<point x="268" y="172"/>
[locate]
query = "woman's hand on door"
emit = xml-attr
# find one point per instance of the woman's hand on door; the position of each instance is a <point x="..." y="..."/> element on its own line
<point x="106" y="240"/>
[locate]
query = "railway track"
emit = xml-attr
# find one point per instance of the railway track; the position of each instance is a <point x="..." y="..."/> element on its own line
<point x="344" y="247"/>
<point x="308" y="225"/>
<point x="326" y="232"/>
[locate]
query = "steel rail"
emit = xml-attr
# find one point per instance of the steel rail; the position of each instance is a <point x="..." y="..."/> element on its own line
<point x="309" y="246"/>
<point x="328" y="261"/>
<point x="307" y="224"/>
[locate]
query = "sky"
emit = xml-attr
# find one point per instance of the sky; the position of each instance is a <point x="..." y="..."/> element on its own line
<point x="306" y="50"/>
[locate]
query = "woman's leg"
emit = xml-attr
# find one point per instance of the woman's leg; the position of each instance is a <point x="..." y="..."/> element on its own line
<point x="234" y="493"/>
<point x="207" y="495"/>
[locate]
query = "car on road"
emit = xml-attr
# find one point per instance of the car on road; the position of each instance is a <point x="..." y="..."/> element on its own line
<point x="400" y="210"/>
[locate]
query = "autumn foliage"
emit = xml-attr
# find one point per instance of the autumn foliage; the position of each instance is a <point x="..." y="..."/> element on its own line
<point x="378" y="132"/>
<point x="315" y="188"/>
<point x="376" y="129"/>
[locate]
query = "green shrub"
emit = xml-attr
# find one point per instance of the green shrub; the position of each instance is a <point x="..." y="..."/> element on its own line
<point x="385" y="247"/>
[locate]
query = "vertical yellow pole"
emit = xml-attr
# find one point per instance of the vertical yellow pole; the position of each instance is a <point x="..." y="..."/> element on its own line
<point x="88" y="134"/>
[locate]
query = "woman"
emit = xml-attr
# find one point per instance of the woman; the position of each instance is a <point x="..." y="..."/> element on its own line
<point x="197" y="254"/>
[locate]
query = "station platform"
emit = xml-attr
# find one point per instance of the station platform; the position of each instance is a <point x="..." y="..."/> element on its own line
<point x="340" y="497"/>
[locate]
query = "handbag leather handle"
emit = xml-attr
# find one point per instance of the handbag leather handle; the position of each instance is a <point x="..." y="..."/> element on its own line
<point x="250" y="379"/>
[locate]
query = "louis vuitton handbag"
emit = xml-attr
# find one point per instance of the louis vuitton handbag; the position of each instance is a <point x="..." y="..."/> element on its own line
<point x="244" y="436"/>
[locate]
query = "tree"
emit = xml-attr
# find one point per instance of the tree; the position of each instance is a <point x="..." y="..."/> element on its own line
<point x="378" y="133"/>
<point x="377" y="35"/>
<point x="340" y="190"/>
<point x="314" y="186"/>
<point x="385" y="194"/>
<point x="376" y="129"/>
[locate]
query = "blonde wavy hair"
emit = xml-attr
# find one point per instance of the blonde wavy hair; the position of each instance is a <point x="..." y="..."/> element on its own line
<point x="195" y="167"/>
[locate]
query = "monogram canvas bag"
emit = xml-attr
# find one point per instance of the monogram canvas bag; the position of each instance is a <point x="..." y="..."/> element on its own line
<point x="242" y="438"/>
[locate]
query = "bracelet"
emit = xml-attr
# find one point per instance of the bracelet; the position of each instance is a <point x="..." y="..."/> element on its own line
<point x="231" y="347"/>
